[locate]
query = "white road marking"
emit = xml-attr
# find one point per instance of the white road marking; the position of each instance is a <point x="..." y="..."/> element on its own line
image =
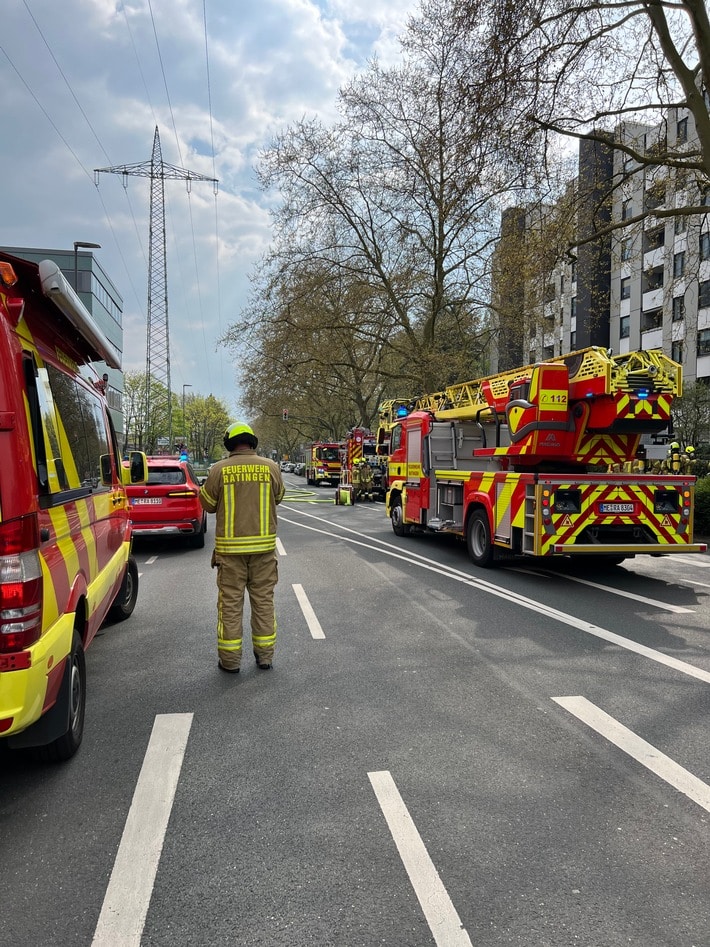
<point x="523" y="601"/>
<point x="308" y="613"/>
<point x="280" y="547"/>
<point x="638" y="749"/>
<point x="684" y="581"/>
<point x="676" y="609"/>
<point x="700" y="560"/>
<point x="149" y="562"/>
<point x="441" y="915"/>
<point x="131" y="883"/>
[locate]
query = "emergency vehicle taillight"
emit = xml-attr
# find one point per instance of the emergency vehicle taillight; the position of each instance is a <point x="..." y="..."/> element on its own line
<point x="20" y="584"/>
<point x="7" y="274"/>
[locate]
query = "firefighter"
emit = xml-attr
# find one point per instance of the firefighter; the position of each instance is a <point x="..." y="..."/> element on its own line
<point x="673" y="459"/>
<point x="243" y="491"/>
<point x="687" y="460"/>
<point x="366" y="479"/>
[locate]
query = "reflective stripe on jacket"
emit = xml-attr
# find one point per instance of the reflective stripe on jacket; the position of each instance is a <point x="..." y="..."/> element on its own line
<point x="243" y="490"/>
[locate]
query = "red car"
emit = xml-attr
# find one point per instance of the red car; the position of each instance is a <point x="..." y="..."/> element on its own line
<point x="169" y="502"/>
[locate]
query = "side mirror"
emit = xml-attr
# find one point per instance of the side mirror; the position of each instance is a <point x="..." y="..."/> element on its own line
<point x="106" y="470"/>
<point x="137" y="469"/>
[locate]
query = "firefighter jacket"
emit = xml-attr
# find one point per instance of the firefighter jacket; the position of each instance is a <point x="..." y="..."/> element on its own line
<point x="243" y="490"/>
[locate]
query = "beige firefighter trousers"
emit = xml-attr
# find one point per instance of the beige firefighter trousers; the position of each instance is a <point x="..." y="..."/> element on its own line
<point x="257" y="574"/>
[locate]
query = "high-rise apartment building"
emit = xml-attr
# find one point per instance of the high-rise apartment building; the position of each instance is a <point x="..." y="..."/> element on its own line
<point x="640" y="286"/>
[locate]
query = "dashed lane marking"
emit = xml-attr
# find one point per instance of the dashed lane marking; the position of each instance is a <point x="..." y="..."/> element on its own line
<point x="313" y="624"/>
<point x="638" y="749"/>
<point x="440" y="913"/>
<point x="131" y="883"/>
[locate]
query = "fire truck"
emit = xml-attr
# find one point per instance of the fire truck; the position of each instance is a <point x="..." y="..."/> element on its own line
<point x="324" y="463"/>
<point x="545" y="461"/>
<point x="361" y="476"/>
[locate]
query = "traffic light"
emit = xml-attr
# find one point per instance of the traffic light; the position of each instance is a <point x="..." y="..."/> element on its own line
<point x="284" y="414"/>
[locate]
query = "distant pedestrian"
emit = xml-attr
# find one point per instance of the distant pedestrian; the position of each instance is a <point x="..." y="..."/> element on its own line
<point x="243" y="491"/>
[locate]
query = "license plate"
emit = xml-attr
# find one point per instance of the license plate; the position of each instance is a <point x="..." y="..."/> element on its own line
<point x="616" y="507"/>
<point x="145" y="501"/>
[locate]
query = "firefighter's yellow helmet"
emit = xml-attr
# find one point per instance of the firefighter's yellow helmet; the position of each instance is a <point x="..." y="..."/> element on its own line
<point x="234" y="430"/>
<point x="674" y="446"/>
<point x="690" y="449"/>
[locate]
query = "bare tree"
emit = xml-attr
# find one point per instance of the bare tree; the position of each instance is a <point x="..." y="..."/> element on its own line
<point x="629" y="73"/>
<point x="399" y="198"/>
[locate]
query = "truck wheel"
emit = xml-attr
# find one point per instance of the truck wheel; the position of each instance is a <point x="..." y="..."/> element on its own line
<point x="66" y="745"/>
<point x="125" y="601"/>
<point x="478" y="539"/>
<point x="397" y="516"/>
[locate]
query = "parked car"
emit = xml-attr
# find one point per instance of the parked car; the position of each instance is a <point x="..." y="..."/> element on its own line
<point x="169" y="502"/>
<point x="287" y="466"/>
<point x="299" y="469"/>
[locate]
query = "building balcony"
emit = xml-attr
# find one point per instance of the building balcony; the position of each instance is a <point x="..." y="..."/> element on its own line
<point x="653" y="299"/>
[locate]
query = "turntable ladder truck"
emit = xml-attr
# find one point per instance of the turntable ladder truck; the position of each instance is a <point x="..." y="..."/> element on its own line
<point x="545" y="461"/>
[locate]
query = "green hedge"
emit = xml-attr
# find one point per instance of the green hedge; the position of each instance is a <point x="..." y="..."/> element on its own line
<point x="702" y="507"/>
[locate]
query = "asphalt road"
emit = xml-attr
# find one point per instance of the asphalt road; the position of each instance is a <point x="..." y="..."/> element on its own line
<point x="441" y="755"/>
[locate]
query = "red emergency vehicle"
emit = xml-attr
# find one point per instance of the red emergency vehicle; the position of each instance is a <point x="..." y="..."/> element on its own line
<point x="543" y="461"/>
<point x="65" y="535"/>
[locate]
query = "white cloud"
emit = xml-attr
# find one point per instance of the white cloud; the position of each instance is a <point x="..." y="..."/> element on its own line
<point x="90" y="96"/>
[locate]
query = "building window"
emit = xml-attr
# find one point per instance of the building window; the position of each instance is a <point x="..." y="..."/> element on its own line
<point x="681" y="131"/>
<point x="624" y="327"/>
<point x="678" y="308"/>
<point x="651" y="319"/>
<point x="705" y="246"/>
<point x="548" y="351"/>
<point x="625" y="288"/>
<point x="573" y="307"/>
<point x="680" y="225"/>
<point x="653" y="279"/>
<point x="550" y="293"/>
<point x="677" y="352"/>
<point x="705" y="197"/>
<point x="655" y="196"/>
<point x="653" y="239"/>
<point x="704" y="294"/>
<point x="678" y="264"/>
<point x="626" y="209"/>
<point x="574" y="271"/>
<point x="573" y="340"/>
<point x="704" y="342"/>
<point x="626" y="249"/>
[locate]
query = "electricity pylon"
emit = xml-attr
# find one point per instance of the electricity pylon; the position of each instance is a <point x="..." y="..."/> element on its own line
<point x="157" y="360"/>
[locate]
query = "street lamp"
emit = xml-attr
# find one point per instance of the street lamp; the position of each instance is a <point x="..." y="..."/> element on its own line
<point x="184" y="424"/>
<point x="83" y="245"/>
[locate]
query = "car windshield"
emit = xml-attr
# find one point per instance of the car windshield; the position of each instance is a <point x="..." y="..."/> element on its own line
<point x="166" y="475"/>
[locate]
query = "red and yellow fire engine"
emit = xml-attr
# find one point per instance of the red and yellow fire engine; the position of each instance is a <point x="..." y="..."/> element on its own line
<point x="324" y="463"/>
<point x="545" y="460"/>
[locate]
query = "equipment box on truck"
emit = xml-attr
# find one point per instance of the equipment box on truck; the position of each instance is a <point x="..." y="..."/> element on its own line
<point x="65" y="535"/>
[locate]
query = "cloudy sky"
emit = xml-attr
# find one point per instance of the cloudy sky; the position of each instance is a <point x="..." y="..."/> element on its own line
<point x="83" y="84"/>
